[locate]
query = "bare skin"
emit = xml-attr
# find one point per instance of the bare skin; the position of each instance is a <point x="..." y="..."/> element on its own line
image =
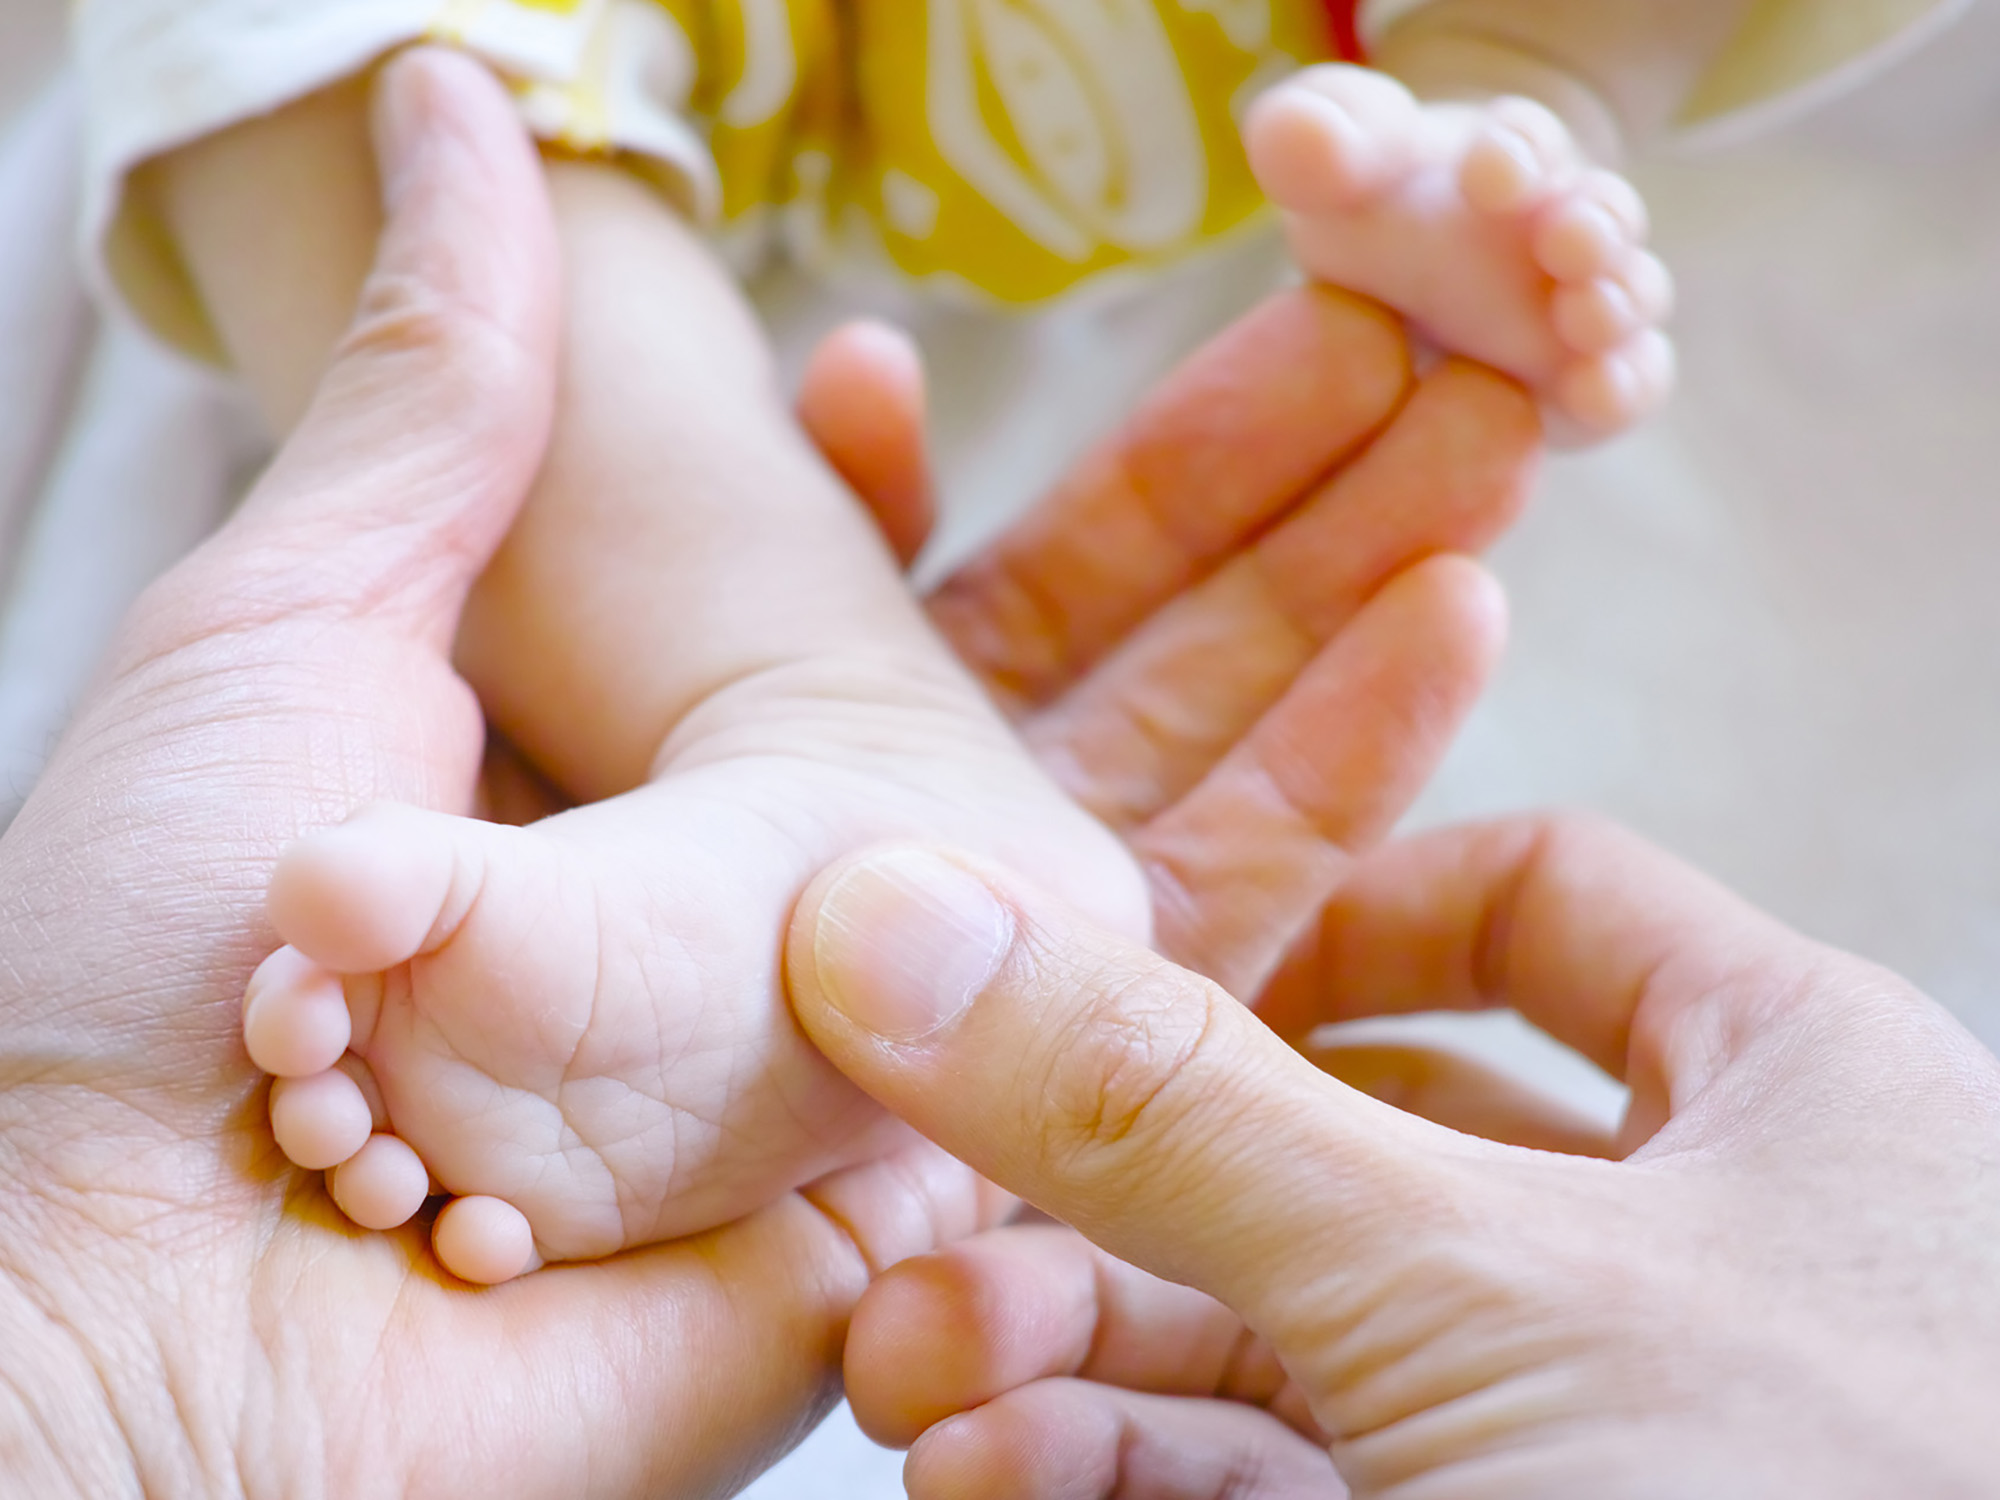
<point x="182" y="1311"/>
<point x="1485" y="225"/>
<point x="1782" y="1280"/>
<point x="577" y="1028"/>
<point x="1468" y="180"/>
<point x="579" y="1022"/>
<point x="688" y="600"/>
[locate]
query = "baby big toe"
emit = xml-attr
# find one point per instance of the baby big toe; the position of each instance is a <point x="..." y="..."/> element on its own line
<point x="365" y="896"/>
<point x="1520" y="155"/>
<point x="321" y="1121"/>
<point x="1329" y="137"/>
<point x="381" y="1185"/>
<point x="1607" y="393"/>
<point x="483" y="1240"/>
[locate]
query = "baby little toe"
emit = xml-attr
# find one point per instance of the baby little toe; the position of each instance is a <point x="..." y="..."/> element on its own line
<point x="1593" y="230"/>
<point x="1330" y="136"/>
<point x="1650" y="285"/>
<point x="381" y="1185"/>
<point x="483" y="1240"/>
<point x="1607" y="393"/>
<point x="321" y="1121"/>
<point x="1519" y="155"/>
<point x="295" y="1017"/>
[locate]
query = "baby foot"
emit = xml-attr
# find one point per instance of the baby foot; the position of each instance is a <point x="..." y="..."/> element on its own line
<point x="578" y="1028"/>
<point x="1482" y="226"/>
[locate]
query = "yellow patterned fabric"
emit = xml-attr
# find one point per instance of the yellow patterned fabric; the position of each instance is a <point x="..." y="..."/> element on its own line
<point x="1009" y="147"/>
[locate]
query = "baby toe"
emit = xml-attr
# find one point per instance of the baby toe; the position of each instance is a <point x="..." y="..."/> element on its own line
<point x="1328" y="137"/>
<point x="1608" y="393"/>
<point x="1592" y="231"/>
<point x="367" y="895"/>
<point x="1596" y="316"/>
<point x="382" y="1185"/>
<point x="1372" y="99"/>
<point x="371" y="1092"/>
<point x="1650" y="285"/>
<point x="1519" y="155"/>
<point x="1618" y="198"/>
<point x="321" y="1121"/>
<point x="295" y="1016"/>
<point x="483" y="1240"/>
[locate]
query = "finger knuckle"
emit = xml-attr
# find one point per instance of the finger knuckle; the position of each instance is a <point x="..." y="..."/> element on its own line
<point x="404" y="320"/>
<point x="1115" y="1078"/>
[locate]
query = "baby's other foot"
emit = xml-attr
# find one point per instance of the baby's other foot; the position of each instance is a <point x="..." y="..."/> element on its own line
<point x="1482" y="225"/>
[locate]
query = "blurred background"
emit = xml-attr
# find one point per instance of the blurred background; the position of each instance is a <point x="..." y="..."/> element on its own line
<point x="1764" y="631"/>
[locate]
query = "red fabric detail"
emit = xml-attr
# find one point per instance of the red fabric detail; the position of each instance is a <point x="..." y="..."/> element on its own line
<point x="1342" y="16"/>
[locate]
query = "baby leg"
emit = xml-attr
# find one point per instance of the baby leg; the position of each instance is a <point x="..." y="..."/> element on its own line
<point x="579" y="1028"/>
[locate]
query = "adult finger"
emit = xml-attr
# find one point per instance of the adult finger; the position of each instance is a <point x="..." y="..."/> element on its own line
<point x="1073" y="1440"/>
<point x="728" y="1343"/>
<point x="1242" y="864"/>
<point x="1237" y="435"/>
<point x="1117" y="1092"/>
<point x="949" y="1331"/>
<point x="1450" y="474"/>
<point x="432" y="418"/>
<point x="945" y="1332"/>
<point x="1648" y="968"/>
<point x="862" y="403"/>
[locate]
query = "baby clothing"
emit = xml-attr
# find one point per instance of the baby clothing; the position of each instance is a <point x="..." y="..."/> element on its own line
<point x="1002" y="150"/>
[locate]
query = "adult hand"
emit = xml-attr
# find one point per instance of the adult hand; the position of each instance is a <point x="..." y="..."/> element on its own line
<point x="1790" y="1284"/>
<point x="1234" y="631"/>
<point x="180" y="1312"/>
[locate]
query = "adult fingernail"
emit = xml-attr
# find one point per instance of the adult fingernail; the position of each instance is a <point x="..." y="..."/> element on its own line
<point x="905" y="941"/>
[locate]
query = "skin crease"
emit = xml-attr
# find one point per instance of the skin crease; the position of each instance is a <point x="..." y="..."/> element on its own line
<point x="1782" y="1281"/>
<point x="179" y="1311"/>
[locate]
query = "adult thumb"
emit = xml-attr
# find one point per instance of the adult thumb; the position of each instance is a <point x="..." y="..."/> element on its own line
<point x="434" y="414"/>
<point x="1112" y="1089"/>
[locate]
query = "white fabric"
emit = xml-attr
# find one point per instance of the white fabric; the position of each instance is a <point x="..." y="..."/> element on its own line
<point x="160" y="73"/>
<point x="1762" y="631"/>
<point x="1788" y="57"/>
